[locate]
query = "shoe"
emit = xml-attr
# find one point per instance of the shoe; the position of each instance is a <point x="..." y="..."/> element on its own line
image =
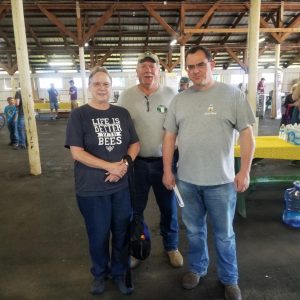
<point x="120" y="283"/>
<point x="16" y="147"/>
<point x="10" y="144"/>
<point x="134" y="262"/>
<point x="190" y="280"/>
<point x="22" y="147"/>
<point x="232" y="292"/>
<point x="97" y="287"/>
<point x="176" y="259"/>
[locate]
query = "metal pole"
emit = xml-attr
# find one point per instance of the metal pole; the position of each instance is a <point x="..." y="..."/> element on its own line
<point x="26" y="90"/>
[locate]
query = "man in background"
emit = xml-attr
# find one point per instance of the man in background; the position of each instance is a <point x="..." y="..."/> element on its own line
<point x="184" y="84"/>
<point x="53" y="94"/>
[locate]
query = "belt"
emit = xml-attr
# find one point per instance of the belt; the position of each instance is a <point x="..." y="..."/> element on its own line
<point x="149" y="159"/>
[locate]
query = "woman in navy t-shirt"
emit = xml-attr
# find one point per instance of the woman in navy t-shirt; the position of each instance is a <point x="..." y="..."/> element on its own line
<point x="99" y="135"/>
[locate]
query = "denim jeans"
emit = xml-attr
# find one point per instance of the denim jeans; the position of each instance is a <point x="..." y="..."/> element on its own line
<point x="147" y="174"/>
<point x="102" y="215"/>
<point x="13" y="132"/>
<point x="218" y="203"/>
<point x="21" y="131"/>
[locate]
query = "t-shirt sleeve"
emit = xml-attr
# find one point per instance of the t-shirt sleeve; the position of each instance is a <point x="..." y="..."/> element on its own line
<point x="170" y="121"/>
<point x="132" y="132"/>
<point x="74" y="132"/>
<point x="244" y="113"/>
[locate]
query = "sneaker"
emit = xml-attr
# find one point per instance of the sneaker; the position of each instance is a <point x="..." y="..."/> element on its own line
<point x="16" y="147"/>
<point x="134" y="262"/>
<point x="176" y="259"/>
<point x="190" y="280"/>
<point x="232" y="292"/>
<point x="22" y="147"/>
<point x="10" y="144"/>
<point x="120" y="283"/>
<point x="97" y="287"/>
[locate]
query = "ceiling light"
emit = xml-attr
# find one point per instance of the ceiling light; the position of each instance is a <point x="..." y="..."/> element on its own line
<point x="266" y="59"/>
<point x="261" y="39"/>
<point x="174" y="42"/>
<point x="86" y="44"/>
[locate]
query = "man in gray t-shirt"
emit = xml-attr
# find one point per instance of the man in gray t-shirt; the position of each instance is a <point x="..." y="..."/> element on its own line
<point x="203" y="119"/>
<point x="148" y="103"/>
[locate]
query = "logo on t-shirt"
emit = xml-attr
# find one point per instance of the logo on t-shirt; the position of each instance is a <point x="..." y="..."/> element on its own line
<point x="162" y="109"/>
<point x="210" y="110"/>
<point x="109" y="132"/>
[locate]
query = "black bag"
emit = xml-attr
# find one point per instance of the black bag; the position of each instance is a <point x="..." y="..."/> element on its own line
<point x="140" y="242"/>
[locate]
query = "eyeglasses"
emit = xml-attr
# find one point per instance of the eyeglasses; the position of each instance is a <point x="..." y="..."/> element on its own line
<point x="147" y="103"/>
<point x="105" y="85"/>
<point x="201" y="65"/>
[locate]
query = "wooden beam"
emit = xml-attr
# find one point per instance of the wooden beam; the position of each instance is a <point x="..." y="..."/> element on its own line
<point x="236" y="59"/>
<point x="294" y="24"/>
<point x="239" y="30"/>
<point x="104" y="57"/>
<point x="162" y="22"/>
<point x="53" y="19"/>
<point x="100" y="22"/>
<point x="201" y="21"/>
<point x="264" y="24"/>
<point x="32" y="33"/>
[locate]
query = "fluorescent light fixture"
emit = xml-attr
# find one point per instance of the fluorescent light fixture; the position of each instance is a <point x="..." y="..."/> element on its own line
<point x="266" y="59"/>
<point x="261" y="39"/>
<point x="60" y="63"/>
<point x="67" y="71"/>
<point x="44" y="71"/>
<point x="128" y="62"/>
<point x="174" y="42"/>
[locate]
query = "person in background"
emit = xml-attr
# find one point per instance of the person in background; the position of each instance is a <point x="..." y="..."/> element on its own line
<point x="53" y="94"/>
<point x="261" y="86"/>
<point x="204" y="118"/>
<point x="73" y="95"/>
<point x="102" y="138"/>
<point x="148" y="103"/>
<point x="288" y="106"/>
<point x="11" y="116"/>
<point x="296" y="98"/>
<point x="20" y="122"/>
<point x="184" y="84"/>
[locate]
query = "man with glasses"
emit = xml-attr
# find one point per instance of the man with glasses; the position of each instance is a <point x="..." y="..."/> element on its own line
<point x="147" y="103"/>
<point x="204" y="118"/>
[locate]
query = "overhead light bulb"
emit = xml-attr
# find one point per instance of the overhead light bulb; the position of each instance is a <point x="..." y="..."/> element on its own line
<point x="174" y="42"/>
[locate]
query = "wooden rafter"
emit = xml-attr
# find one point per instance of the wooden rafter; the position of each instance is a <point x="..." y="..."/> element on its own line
<point x="53" y="19"/>
<point x="293" y="24"/>
<point x="212" y="9"/>
<point x="32" y="33"/>
<point x="100" y="22"/>
<point x="236" y="59"/>
<point x="104" y="57"/>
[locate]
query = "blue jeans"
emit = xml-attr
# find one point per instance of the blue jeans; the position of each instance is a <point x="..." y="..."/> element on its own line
<point x="102" y="215"/>
<point x="218" y="203"/>
<point x="149" y="174"/>
<point x="21" y="131"/>
<point x="13" y="132"/>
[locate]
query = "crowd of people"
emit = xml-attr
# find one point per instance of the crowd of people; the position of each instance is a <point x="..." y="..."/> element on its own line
<point x="144" y="128"/>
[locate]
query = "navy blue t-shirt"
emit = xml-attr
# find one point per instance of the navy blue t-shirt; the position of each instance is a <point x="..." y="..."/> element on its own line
<point x="105" y="134"/>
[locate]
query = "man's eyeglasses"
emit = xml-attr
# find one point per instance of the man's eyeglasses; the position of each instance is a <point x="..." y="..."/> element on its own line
<point x="202" y="65"/>
<point x="147" y="103"/>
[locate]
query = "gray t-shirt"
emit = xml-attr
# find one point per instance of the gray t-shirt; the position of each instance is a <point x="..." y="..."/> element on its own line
<point x="204" y="122"/>
<point x="148" y="124"/>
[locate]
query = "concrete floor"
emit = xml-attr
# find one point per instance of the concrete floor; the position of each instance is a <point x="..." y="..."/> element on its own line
<point x="44" y="251"/>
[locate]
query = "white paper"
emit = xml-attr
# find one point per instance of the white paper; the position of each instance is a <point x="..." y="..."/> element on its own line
<point x="178" y="196"/>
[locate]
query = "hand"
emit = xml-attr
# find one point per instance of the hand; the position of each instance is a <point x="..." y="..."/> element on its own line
<point x="118" y="168"/>
<point x="112" y="178"/>
<point x="168" y="180"/>
<point x="241" y="182"/>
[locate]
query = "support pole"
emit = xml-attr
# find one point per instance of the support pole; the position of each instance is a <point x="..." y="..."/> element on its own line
<point x="82" y="72"/>
<point x="253" y="46"/>
<point x="276" y="103"/>
<point x="182" y="60"/>
<point x="26" y="90"/>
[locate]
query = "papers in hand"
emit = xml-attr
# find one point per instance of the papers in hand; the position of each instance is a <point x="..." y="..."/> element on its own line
<point x="178" y="196"/>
